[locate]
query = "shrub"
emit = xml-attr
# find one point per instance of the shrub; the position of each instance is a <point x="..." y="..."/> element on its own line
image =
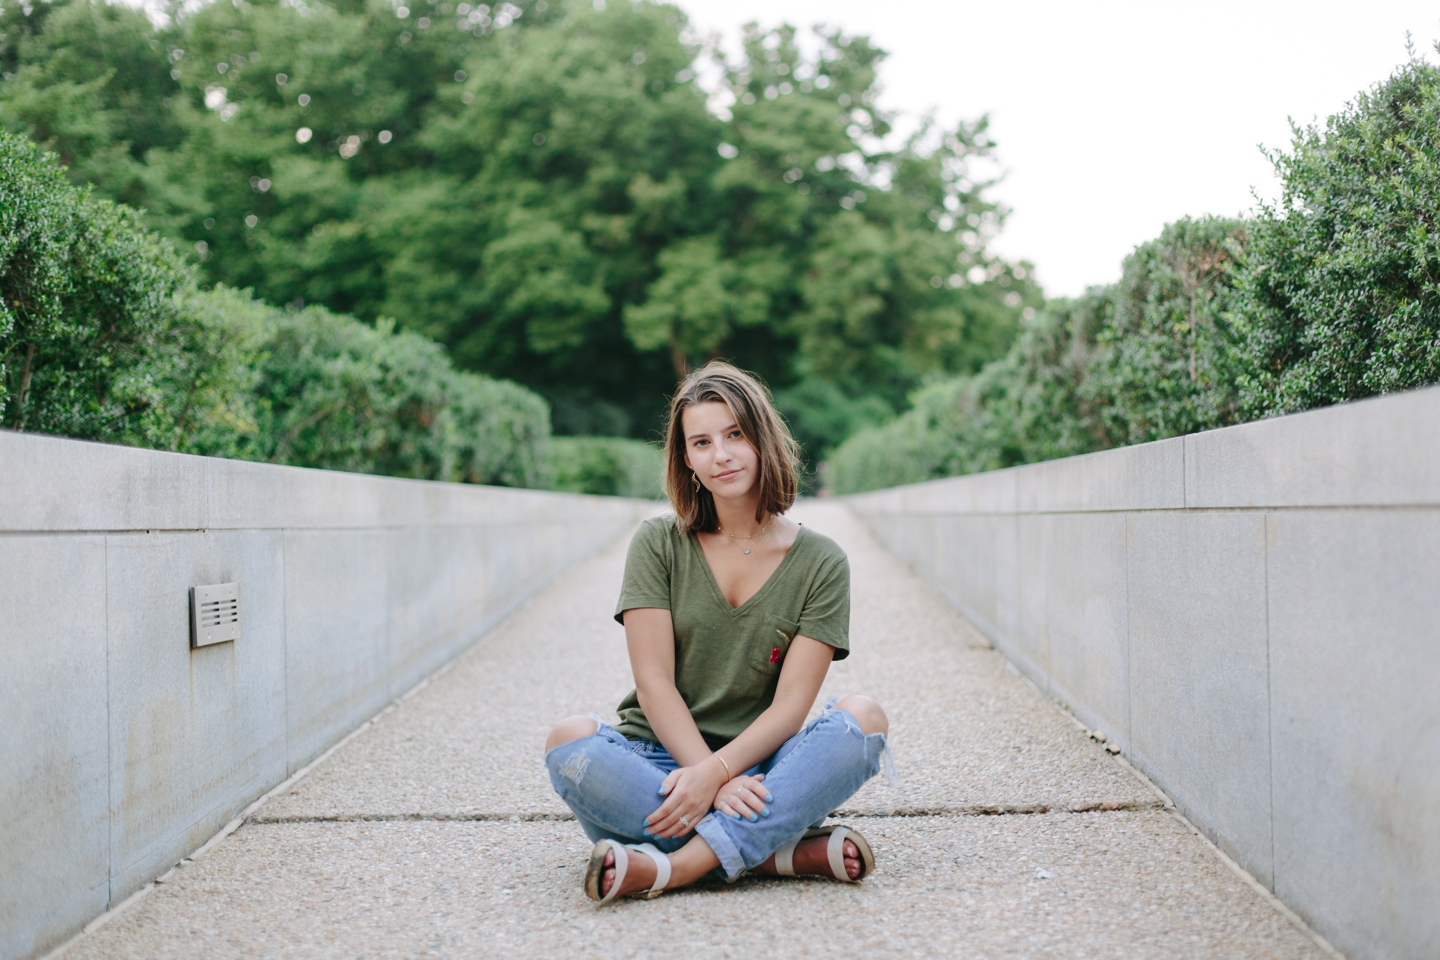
<point x="104" y="337"/>
<point x="86" y="297"/>
<point x="606" y="465"/>
<point x="334" y="393"/>
<point x="1148" y="357"/>
<point x="1343" y="298"/>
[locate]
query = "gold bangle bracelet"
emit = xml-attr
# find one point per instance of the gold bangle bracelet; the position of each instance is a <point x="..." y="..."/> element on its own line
<point x="728" y="774"/>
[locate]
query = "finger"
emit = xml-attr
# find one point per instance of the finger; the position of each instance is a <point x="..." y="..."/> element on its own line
<point x="663" y="813"/>
<point x="667" y="818"/>
<point x="757" y="790"/>
<point x="761" y="791"/>
<point x="669" y="782"/>
<point x="660" y="830"/>
<point x="746" y="803"/>
<point x="673" y="826"/>
<point x="755" y="803"/>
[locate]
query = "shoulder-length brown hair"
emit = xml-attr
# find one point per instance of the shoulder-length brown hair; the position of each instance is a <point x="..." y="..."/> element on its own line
<point x="759" y="422"/>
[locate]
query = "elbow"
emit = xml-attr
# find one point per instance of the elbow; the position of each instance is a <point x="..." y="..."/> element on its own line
<point x="650" y="690"/>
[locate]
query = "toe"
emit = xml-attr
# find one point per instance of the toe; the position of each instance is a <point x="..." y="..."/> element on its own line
<point x="607" y="880"/>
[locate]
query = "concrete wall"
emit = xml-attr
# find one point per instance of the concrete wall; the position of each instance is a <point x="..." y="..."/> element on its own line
<point x="121" y="749"/>
<point x="1253" y="614"/>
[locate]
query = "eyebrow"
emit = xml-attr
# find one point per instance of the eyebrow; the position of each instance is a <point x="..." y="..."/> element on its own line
<point x="692" y="436"/>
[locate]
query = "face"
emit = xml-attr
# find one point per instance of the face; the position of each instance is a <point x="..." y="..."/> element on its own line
<point x="726" y="463"/>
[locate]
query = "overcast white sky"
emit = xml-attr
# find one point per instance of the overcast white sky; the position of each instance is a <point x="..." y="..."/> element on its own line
<point x="1114" y="118"/>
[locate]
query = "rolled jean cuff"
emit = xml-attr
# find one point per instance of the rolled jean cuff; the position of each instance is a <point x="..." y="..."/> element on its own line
<point x="714" y="834"/>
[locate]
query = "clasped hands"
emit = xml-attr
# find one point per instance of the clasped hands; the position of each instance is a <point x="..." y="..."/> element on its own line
<point x="692" y="792"/>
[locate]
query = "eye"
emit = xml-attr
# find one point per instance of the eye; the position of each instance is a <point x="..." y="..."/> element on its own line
<point x="736" y="435"/>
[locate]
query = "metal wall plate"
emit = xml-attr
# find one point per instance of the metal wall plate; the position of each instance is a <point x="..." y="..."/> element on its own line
<point x="214" y="614"/>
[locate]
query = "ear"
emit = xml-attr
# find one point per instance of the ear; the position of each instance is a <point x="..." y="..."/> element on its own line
<point x="687" y="461"/>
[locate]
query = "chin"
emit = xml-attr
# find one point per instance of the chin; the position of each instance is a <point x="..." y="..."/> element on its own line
<point x="733" y="489"/>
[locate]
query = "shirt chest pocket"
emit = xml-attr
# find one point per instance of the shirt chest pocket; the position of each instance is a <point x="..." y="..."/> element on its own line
<point x="771" y="646"/>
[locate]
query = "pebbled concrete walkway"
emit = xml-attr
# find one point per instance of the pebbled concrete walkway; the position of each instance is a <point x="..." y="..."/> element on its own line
<point x="434" y="831"/>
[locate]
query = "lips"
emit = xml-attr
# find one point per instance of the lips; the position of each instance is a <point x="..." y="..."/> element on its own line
<point x="729" y="474"/>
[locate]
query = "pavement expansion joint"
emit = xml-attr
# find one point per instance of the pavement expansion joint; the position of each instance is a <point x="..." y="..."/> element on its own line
<point x="945" y="810"/>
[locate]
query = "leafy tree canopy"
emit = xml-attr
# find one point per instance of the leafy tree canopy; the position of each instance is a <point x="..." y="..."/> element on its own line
<point x="543" y="188"/>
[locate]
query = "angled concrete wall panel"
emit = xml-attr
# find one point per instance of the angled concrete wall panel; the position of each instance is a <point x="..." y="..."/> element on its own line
<point x="122" y="749"/>
<point x="1199" y="695"/>
<point x="1355" y="681"/>
<point x="53" y="751"/>
<point x="189" y="729"/>
<point x="1253" y="615"/>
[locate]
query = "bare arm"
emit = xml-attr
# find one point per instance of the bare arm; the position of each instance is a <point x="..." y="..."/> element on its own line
<point x="650" y="638"/>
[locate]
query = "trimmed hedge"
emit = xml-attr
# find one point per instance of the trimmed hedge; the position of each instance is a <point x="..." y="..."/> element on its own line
<point x="103" y="336"/>
<point x="87" y="298"/>
<point x="607" y="465"/>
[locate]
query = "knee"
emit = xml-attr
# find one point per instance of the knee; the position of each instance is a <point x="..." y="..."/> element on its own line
<point x="870" y="715"/>
<point x="571" y="728"/>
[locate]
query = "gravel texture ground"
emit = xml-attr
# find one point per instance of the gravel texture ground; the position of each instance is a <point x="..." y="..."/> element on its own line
<point x="463" y="862"/>
<point x="1118" y="885"/>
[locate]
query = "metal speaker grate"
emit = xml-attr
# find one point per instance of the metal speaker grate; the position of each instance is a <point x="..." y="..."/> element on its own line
<point x="214" y="614"/>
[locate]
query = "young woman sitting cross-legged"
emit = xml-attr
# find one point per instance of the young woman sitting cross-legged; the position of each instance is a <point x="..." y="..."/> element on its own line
<point x="732" y="615"/>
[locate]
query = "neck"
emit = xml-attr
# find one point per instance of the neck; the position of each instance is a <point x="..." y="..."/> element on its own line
<point x="738" y="516"/>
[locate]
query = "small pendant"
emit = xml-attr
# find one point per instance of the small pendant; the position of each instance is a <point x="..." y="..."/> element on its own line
<point x="747" y="553"/>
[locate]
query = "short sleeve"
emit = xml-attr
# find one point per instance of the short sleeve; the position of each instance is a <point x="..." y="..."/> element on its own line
<point x="826" y="613"/>
<point x="647" y="568"/>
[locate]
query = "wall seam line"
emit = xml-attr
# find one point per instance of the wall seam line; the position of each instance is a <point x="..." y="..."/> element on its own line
<point x="285" y="643"/>
<point x="1269" y="708"/>
<point x="109" y="745"/>
<point x="1129" y="644"/>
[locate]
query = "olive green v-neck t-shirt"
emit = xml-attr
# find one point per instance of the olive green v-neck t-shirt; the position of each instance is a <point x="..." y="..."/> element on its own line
<point x="728" y="659"/>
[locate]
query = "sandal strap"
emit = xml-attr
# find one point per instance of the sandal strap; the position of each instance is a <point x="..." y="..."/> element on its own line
<point x="662" y="869"/>
<point x="785" y="858"/>
<point x="622" y="863"/>
<point x="835" y="851"/>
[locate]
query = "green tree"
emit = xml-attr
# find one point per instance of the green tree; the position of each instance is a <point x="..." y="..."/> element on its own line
<point x="546" y="191"/>
<point x="90" y="82"/>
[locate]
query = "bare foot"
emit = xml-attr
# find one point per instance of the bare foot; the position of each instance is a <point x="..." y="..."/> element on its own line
<point x="810" y="858"/>
<point x="639" y="876"/>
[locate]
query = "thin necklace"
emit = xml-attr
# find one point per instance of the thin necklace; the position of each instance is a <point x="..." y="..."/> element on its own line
<point x="759" y="533"/>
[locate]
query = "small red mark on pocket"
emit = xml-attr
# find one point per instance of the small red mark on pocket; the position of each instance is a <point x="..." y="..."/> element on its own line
<point x="775" y="655"/>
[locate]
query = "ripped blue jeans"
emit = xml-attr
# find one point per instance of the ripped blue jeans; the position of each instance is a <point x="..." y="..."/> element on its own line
<point x="612" y="784"/>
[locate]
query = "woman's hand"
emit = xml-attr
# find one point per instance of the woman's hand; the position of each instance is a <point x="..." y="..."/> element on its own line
<point x="744" y="797"/>
<point x="689" y="793"/>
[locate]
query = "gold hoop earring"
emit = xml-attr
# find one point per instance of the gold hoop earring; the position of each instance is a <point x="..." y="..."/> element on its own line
<point x="695" y="481"/>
